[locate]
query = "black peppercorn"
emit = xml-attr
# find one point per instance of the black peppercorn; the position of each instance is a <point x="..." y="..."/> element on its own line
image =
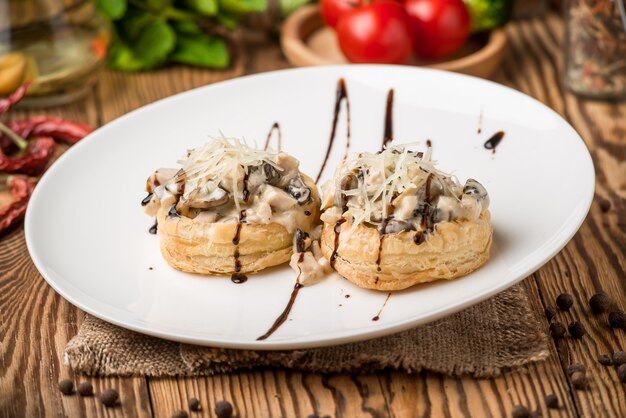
<point x="621" y="373"/>
<point x="557" y="330"/>
<point x="85" y="389"/>
<point x="619" y="358"/>
<point x="604" y="360"/>
<point x="579" y="380"/>
<point x="109" y="397"/>
<point x="550" y="313"/>
<point x="617" y="319"/>
<point x="520" y="411"/>
<point x="564" y="301"/>
<point x="552" y="401"/>
<point x="575" y="367"/>
<point x="194" y="404"/>
<point x="599" y="303"/>
<point x="223" y="409"/>
<point x="180" y="414"/>
<point x="66" y="386"/>
<point x="576" y="330"/>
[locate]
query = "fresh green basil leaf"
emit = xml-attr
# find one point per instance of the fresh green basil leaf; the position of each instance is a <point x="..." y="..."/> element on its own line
<point x="203" y="51"/>
<point x="227" y="20"/>
<point x="157" y="5"/>
<point x="155" y="43"/>
<point x="122" y="57"/>
<point x="133" y="23"/>
<point x="113" y="9"/>
<point x="186" y="28"/>
<point x="289" y="6"/>
<point x="242" y="6"/>
<point x="204" y="7"/>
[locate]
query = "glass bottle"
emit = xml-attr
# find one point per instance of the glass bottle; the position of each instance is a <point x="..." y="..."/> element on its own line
<point x="58" y="44"/>
<point x="595" y="48"/>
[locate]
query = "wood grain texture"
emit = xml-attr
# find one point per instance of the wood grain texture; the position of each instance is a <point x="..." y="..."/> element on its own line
<point x="35" y="323"/>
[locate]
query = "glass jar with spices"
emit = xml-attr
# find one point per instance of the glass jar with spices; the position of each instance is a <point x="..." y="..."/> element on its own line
<point x="595" y="54"/>
<point x="60" y="45"/>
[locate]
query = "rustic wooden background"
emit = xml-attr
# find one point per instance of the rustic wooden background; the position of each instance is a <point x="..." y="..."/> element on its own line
<point x="36" y="323"/>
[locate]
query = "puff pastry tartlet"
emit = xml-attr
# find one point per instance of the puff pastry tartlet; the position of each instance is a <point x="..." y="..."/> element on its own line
<point x="392" y="220"/>
<point x="231" y="208"/>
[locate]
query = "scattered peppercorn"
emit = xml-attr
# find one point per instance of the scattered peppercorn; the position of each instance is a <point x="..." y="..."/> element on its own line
<point x="550" y="313"/>
<point x="557" y="330"/>
<point x="579" y="380"/>
<point x="194" y="404"/>
<point x="617" y="319"/>
<point x="619" y="358"/>
<point x="599" y="303"/>
<point x="552" y="401"/>
<point x="605" y="205"/>
<point x="604" y="360"/>
<point x="66" y="386"/>
<point x="564" y="301"/>
<point x="180" y="414"/>
<point x="85" y="389"/>
<point x="575" y="367"/>
<point x="576" y="330"/>
<point x="520" y="411"/>
<point x="223" y="409"/>
<point x="621" y="373"/>
<point x="109" y="397"/>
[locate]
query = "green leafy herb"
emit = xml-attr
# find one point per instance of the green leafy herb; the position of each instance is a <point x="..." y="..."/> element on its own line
<point x="203" y="51"/>
<point x="113" y="9"/>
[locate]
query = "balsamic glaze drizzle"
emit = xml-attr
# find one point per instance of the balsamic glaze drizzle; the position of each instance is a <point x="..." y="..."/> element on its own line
<point x="337" y="230"/>
<point x="173" y="213"/>
<point x="153" y="229"/>
<point x="275" y="127"/>
<point x="341" y="94"/>
<point x="285" y="313"/>
<point x="146" y="199"/>
<point x="242" y="220"/>
<point x="388" y="132"/>
<point x="493" y="142"/>
<point x="377" y="317"/>
<point x="480" y="122"/>
<point x="238" y="278"/>
<point x="429" y="143"/>
<point x="245" y="192"/>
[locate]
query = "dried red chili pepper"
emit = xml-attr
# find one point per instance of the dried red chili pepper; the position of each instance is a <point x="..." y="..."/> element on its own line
<point x="7" y="102"/>
<point x="21" y="188"/>
<point x="57" y="128"/>
<point x="38" y="154"/>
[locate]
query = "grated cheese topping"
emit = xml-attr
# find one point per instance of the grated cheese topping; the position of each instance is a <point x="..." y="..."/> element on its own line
<point x="402" y="186"/>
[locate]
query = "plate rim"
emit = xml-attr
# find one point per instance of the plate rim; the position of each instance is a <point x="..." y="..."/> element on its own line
<point x="306" y="342"/>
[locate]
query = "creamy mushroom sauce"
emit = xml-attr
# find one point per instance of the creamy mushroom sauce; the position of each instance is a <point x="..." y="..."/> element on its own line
<point x="399" y="190"/>
<point x="225" y="177"/>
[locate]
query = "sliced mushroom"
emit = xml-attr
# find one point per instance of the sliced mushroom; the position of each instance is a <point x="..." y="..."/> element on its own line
<point x="474" y="189"/>
<point x="298" y="190"/>
<point x="199" y="200"/>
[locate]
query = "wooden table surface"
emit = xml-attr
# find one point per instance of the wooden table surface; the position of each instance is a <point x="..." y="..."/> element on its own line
<point x="36" y="323"/>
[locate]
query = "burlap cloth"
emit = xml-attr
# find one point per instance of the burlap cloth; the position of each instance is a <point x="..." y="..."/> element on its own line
<point x="500" y="333"/>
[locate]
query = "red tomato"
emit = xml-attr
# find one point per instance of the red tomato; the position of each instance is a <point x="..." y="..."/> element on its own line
<point x="376" y="33"/>
<point x="332" y="10"/>
<point x="439" y="27"/>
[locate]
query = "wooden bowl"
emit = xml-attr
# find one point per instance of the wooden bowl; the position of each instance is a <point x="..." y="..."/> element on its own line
<point x="306" y="41"/>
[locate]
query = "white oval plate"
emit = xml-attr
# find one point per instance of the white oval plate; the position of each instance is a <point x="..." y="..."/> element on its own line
<point x="88" y="235"/>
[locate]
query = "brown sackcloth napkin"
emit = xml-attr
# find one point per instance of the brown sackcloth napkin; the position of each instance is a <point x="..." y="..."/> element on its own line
<point x="500" y="333"/>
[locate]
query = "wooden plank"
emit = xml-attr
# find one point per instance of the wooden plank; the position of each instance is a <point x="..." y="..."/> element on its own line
<point x="36" y="323"/>
<point x="596" y="258"/>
